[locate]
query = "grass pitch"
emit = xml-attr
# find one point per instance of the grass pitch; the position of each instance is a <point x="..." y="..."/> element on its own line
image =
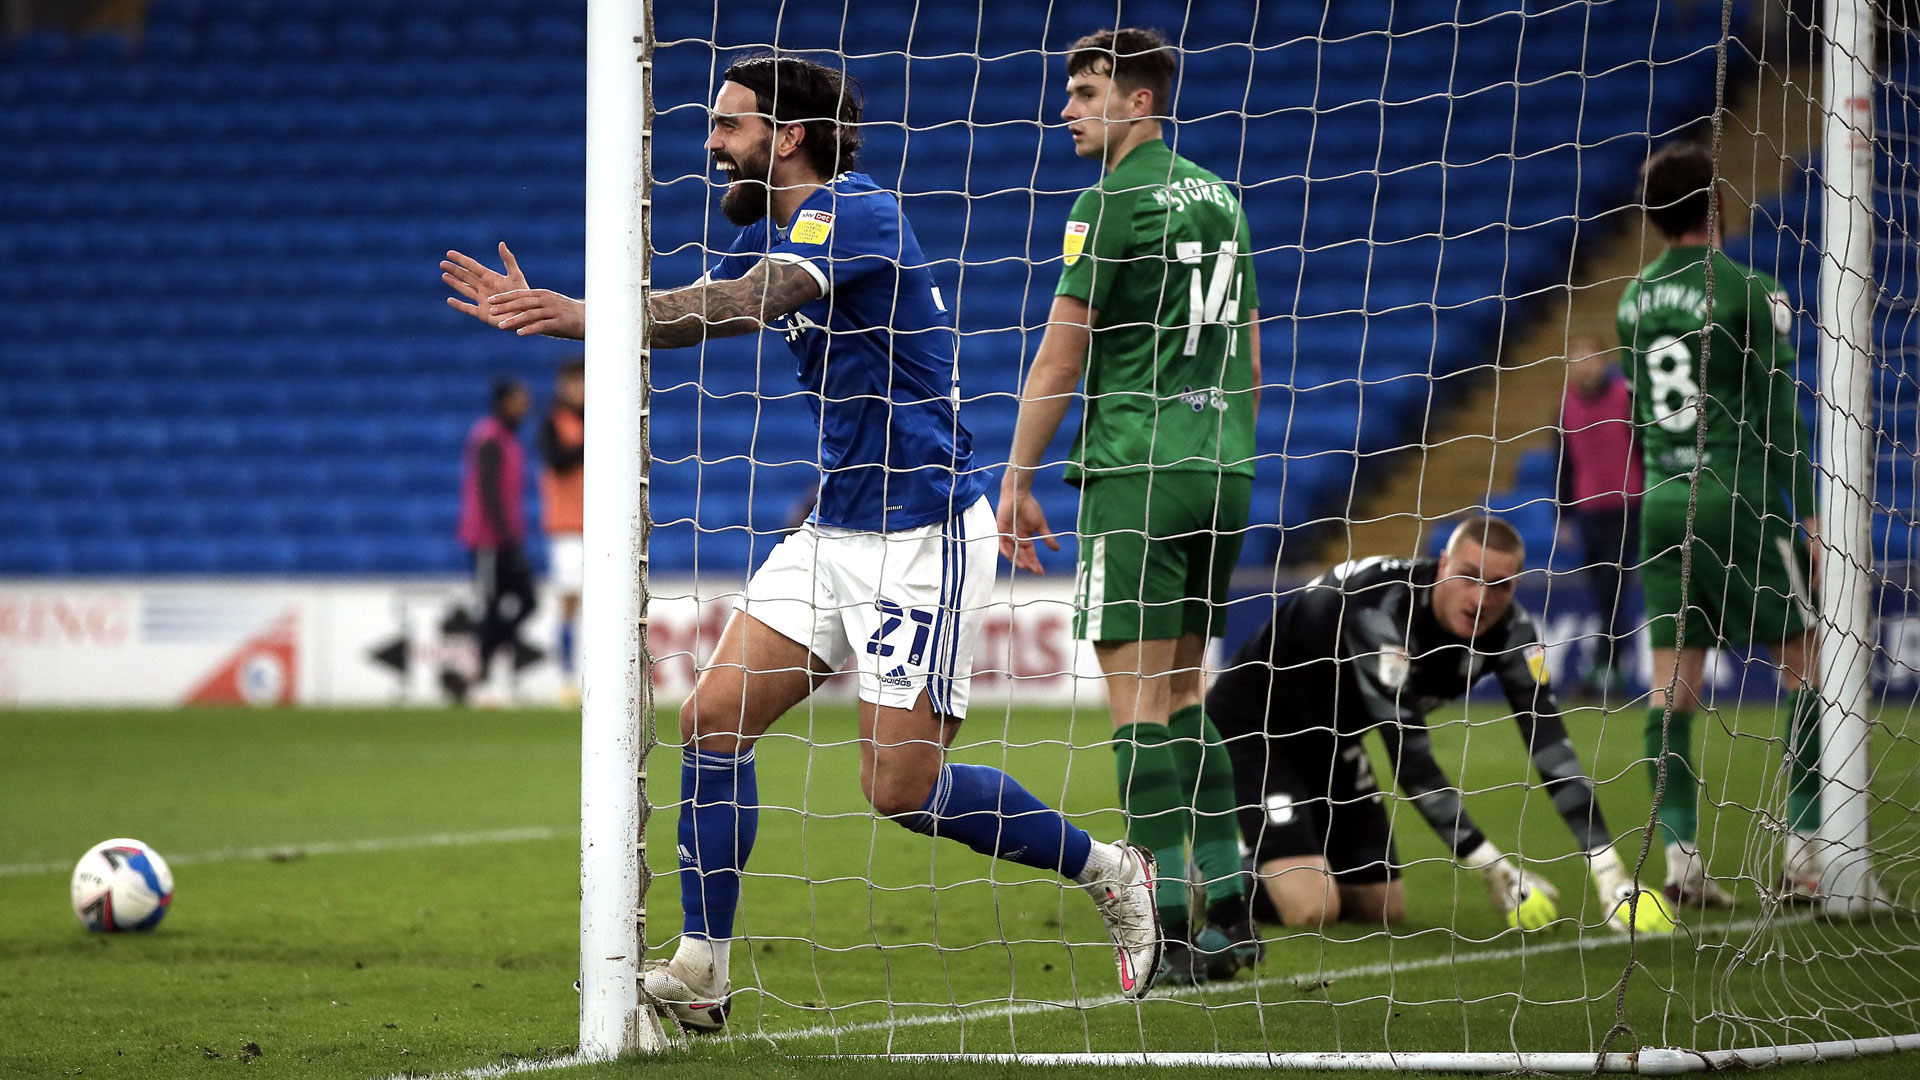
<point x="368" y="894"/>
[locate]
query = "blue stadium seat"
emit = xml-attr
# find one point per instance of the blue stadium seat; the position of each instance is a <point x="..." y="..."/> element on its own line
<point x="289" y="425"/>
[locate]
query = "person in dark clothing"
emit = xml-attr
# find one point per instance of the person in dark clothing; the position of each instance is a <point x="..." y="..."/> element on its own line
<point x="1375" y="645"/>
<point x="493" y="524"/>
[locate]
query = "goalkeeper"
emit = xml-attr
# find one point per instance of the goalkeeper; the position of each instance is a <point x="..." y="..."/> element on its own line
<point x="1375" y="645"/>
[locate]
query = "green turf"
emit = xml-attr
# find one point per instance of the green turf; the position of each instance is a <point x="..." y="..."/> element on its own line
<point x="361" y="963"/>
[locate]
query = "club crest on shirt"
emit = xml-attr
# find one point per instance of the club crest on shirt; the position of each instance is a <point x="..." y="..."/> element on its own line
<point x="1075" y="242"/>
<point x="1536" y="657"/>
<point x="1394" y="666"/>
<point x="812" y="227"/>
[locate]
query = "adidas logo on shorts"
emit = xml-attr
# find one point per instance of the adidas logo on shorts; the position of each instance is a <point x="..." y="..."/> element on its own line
<point x="896" y="677"/>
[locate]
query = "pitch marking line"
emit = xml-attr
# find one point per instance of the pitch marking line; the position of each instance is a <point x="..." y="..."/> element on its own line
<point x="1589" y="944"/>
<point x="1308" y="979"/>
<point x="281" y="852"/>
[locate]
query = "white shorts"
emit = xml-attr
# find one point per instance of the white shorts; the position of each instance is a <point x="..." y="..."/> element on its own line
<point x="907" y="606"/>
<point x="566" y="562"/>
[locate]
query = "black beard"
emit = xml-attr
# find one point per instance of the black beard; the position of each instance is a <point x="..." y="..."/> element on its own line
<point x="745" y="201"/>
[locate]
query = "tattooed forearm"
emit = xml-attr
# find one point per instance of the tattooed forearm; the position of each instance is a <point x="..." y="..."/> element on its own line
<point x="728" y="308"/>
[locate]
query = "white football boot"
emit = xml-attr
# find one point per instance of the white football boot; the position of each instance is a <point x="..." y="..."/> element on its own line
<point x="1126" y="905"/>
<point x="698" y="1008"/>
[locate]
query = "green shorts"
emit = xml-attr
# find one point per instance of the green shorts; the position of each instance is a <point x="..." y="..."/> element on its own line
<point x="1748" y="582"/>
<point x="1157" y="552"/>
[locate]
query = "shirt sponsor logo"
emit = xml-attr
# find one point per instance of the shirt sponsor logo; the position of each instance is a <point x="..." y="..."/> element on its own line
<point x="812" y="227"/>
<point x="1536" y="657"/>
<point x="1075" y="242"/>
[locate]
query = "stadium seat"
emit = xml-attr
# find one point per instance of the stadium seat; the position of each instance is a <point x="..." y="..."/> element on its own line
<point x="285" y="427"/>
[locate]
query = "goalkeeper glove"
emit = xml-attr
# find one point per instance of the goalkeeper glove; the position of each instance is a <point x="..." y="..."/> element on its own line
<point x="1630" y="908"/>
<point x="1526" y="901"/>
<point x="1633" y="909"/>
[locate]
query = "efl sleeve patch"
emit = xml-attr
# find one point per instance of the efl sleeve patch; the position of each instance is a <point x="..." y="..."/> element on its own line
<point x="1075" y="242"/>
<point x="812" y="227"/>
<point x="1537" y="663"/>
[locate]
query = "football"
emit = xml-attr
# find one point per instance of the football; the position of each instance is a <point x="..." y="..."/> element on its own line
<point x="121" y="885"/>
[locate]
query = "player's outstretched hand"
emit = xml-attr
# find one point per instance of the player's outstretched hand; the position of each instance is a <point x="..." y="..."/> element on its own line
<point x="477" y="281"/>
<point x="1020" y="521"/>
<point x="538" y="311"/>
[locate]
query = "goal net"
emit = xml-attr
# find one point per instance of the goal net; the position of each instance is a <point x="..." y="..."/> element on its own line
<point x="1445" y="205"/>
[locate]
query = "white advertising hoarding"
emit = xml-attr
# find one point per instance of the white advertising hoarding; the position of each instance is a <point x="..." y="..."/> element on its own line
<point x="98" y="642"/>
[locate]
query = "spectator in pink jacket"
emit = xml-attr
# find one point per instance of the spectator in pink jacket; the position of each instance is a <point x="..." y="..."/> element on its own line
<point x="1601" y="479"/>
<point x="493" y="525"/>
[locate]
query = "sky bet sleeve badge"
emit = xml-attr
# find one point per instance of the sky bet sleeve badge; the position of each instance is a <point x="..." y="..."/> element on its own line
<point x="812" y="227"/>
<point x="1075" y="241"/>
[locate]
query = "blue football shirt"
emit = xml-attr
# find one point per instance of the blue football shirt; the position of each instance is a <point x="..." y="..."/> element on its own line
<point x="877" y="355"/>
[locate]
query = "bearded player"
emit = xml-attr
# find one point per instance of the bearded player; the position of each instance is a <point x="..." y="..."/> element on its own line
<point x="894" y="567"/>
<point x="1716" y="412"/>
<point x="1155" y="306"/>
<point x="1373" y="646"/>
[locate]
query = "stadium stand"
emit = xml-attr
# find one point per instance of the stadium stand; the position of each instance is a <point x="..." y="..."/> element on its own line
<point x="227" y="351"/>
<point x="1783" y="241"/>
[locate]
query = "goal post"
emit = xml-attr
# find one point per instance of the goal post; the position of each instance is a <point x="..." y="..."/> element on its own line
<point x="1847" y="443"/>
<point x="616" y="705"/>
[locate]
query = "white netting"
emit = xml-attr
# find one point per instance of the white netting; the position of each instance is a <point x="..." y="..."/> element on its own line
<point x="1443" y="203"/>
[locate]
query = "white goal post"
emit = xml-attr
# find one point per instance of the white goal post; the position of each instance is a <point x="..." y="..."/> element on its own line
<point x="616" y="705"/>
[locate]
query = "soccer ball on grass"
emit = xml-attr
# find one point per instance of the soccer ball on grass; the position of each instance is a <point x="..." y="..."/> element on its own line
<point x="121" y="885"/>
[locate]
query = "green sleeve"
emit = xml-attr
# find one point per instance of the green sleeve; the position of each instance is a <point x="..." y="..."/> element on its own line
<point x="1789" y="447"/>
<point x="1094" y="247"/>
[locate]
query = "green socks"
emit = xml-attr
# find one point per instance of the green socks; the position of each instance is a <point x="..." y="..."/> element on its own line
<point x="1206" y="776"/>
<point x="1803" y="760"/>
<point x="1678" y="810"/>
<point x="1158" y="817"/>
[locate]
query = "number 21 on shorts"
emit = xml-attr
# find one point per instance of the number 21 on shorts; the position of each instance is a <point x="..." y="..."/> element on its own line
<point x="892" y="615"/>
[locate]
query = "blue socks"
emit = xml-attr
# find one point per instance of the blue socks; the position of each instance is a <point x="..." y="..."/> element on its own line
<point x="719" y="816"/>
<point x="978" y="805"/>
<point x="990" y="812"/>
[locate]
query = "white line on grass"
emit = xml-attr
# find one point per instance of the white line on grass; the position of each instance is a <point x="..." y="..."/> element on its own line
<point x="1311" y="978"/>
<point x="1584" y="944"/>
<point x="495" y="1072"/>
<point x="280" y="852"/>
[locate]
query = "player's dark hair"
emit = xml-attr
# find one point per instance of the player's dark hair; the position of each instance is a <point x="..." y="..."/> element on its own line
<point x="823" y="101"/>
<point x="1677" y="186"/>
<point x="1133" y="58"/>
<point x="1491" y="533"/>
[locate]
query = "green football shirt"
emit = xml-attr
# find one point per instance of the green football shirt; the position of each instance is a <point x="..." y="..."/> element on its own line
<point x="1755" y="440"/>
<point x="1161" y="252"/>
